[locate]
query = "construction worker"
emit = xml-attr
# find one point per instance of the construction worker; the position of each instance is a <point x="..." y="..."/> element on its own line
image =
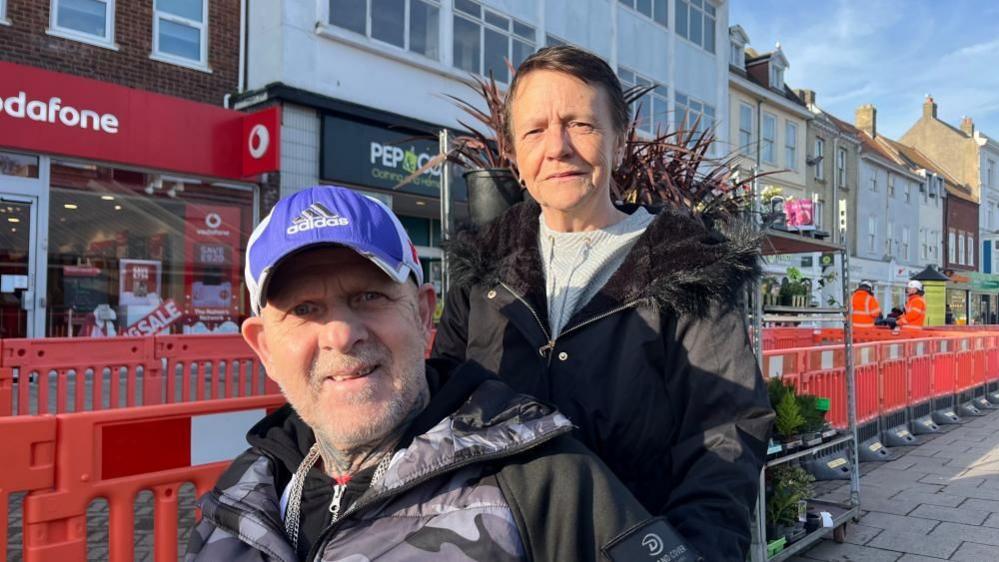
<point x="915" y="307"/>
<point x="866" y="309"/>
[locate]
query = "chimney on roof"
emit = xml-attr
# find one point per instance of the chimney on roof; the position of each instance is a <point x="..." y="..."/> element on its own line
<point x="866" y="119"/>
<point x="929" y="107"/>
<point x="807" y="96"/>
<point x="968" y="126"/>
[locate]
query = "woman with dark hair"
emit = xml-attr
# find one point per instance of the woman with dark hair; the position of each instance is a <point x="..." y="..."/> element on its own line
<point x="626" y="317"/>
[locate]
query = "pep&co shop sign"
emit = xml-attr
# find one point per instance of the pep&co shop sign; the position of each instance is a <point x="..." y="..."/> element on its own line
<point x="368" y="155"/>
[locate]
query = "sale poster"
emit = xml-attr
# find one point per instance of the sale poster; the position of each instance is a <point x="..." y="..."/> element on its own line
<point x="139" y="282"/>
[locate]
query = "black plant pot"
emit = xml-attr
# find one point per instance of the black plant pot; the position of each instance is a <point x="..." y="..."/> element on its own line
<point x="490" y="193"/>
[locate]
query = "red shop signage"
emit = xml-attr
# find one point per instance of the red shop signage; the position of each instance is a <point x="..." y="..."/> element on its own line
<point x="56" y="113"/>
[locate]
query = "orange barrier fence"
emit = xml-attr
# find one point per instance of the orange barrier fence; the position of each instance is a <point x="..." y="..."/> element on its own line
<point x="58" y="375"/>
<point x="893" y="373"/>
<point x="66" y="461"/>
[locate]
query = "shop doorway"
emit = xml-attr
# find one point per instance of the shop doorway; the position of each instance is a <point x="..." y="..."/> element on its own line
<point x="22" y="289"/>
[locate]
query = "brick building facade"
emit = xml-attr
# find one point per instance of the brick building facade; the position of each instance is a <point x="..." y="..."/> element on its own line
<point x="30" y="37"/>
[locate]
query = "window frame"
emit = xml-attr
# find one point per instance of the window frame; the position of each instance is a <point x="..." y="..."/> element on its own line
<point x="891" y="185"/>
<point x="684" y="32"/>
<point x="841" y="167"/>
<point x="631" y="5"/>
<point x="819" y="149"/>
<point x="970" y="258"/>
<point x="791" y="151"/>
<point x="904" y="242"/>
<point x="736" y="54"/>
<point x="951" y="246"/>
<point x="685" y="119"/>
<point x="990" y="168"/>
<point x="3" y="13"/>
<point x="407" y="29"/>
<point x="658" y="95"/>
<point x="960" y="248"/>
<point x="483" y="23"/>
<point x="81" y="36"/>
<point x="202" y="26"/>
<point x="745" y="148"/>
<point x="764" y="140"/>
<point x="872" y="233"/>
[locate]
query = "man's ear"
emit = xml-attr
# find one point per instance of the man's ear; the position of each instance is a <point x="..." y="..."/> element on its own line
<point x="426" y="297"/>
<point x="253" y="334"/>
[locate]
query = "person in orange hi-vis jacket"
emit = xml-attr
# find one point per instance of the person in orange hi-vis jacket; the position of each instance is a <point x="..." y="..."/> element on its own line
<point x="866" y="309"/>
<point x="915" y="307"/>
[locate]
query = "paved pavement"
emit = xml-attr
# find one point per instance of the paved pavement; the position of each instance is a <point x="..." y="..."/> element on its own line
<point x="936" y="501"/>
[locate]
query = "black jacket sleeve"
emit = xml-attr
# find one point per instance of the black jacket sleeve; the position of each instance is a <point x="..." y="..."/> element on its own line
<point x="566" y="502"/>
<point x="723" y="418"/>
<point x="451" y="340"/>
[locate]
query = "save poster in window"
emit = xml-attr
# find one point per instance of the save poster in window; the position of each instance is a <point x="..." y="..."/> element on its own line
<point x="139" y="282"/>
<point x="211" y="268"/>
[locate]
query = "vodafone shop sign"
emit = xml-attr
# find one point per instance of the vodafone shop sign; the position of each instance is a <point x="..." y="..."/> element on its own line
<point x="54" y="113"/>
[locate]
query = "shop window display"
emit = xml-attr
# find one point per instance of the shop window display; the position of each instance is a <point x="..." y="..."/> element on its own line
<point x="133" y="253"/>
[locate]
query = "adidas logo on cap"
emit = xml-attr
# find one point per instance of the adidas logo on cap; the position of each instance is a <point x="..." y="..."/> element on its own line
<point x="316" y="216"/>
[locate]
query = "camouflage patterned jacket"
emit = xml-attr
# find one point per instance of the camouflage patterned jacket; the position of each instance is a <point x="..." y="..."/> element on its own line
<point x="498" y="479"/>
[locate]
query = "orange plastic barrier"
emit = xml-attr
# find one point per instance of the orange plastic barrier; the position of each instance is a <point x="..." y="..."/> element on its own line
<point x="113" y="454"/>
<point x="944" y="365"/>
<point x="58" y="375"/>
<point x="29" y="453"/>
<point x="920" y="367"/>
<point x="893" y="378"/>
<point x="786" y="338"/>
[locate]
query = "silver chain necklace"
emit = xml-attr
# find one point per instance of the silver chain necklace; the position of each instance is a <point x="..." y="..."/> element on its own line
<point x="293" y="514"/>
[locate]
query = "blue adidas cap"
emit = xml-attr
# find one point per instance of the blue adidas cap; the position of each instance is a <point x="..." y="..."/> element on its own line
<point x="328" y="215"/>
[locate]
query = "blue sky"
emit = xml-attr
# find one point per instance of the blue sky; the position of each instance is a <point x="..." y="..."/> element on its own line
<point x="887" y="52"/>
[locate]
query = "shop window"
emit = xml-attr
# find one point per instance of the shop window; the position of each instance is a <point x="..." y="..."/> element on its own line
<point x="180" y="31"/>
<point x="407" y="24"/>
<point x="139" y="253"/>
<point x="19" y="165"/>
<point x="89" y="21"/>
<point x="695" y="21"/>
<point x="652" y="108"/>
<point x="484" y="40"/>
<point x="652" y="9"/>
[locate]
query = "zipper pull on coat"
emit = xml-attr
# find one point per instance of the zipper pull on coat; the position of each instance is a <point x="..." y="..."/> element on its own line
<point x="546" y="349"/>
<point x="338" y="490"/>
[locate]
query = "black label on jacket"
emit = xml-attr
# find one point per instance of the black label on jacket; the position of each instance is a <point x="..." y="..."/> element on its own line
<point x="653" y="540"/>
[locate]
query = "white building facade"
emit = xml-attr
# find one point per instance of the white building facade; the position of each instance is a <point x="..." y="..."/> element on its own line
<point x="363" y="83"/>
<point x="988" y="221"/>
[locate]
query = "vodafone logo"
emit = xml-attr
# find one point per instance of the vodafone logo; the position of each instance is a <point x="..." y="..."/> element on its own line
<point x="259" y="141"/>
<point x="21" y="106"/>
<point x="213" y="220"/>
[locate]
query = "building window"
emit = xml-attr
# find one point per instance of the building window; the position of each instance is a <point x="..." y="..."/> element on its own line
<point x="889" y="236"/>
<point x="484" y="40"/>
<point x="745" y="127"/>
<point x="553" y="41"/>
<point x="735" y="55"/>
<point x="990" y="173"/>
<point x="951" y="246"/>
<point x="924" y="250"/>
<point x="874" y="182"/>
<point x="695" y="21"/>
<point x="791" y="145"/>
<point x="908" y="192"/>
<point x="872" y="233"/>
<point x="407" y="24"/>
<point x="653" y="9"/>
<point x="91" y="21"/>
<point x="693" y="113"/>
<point x="769" y="138"/>
<point x="960" y="248"/>
<point x="971" y="250"/>
<point x="3" y="11"/>
<point x="891" y="185"/>
<point x="776" y="76"/>
<point x="820" y="152"/>
<point x="653" y="107"/>
<point x="991" y="213"/>
<point x="180" y="30"/>
<point x="905" y="243"/>
<point x="841" y="167"/>
<point x="818" y="213"/>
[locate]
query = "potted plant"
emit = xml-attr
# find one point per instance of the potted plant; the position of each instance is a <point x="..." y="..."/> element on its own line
<point x="788" y="421"/>
<point x="796" y="290"/>
<point x="788" y="489"/>
<point x="815" y="419"/>
<point x="770" y="291"/>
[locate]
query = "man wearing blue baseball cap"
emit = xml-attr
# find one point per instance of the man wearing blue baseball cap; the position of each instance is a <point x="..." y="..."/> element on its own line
<point x="380" y="455"/>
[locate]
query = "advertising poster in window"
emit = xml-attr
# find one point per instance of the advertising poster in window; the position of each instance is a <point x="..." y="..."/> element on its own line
<point x="139" y="282"/>
<point x="212" y="270"/>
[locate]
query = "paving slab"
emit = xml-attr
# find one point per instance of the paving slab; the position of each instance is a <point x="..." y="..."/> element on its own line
<point x="974" y="552"/>
<point x="940" y="546"/>
<point x="953" y="514"/>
